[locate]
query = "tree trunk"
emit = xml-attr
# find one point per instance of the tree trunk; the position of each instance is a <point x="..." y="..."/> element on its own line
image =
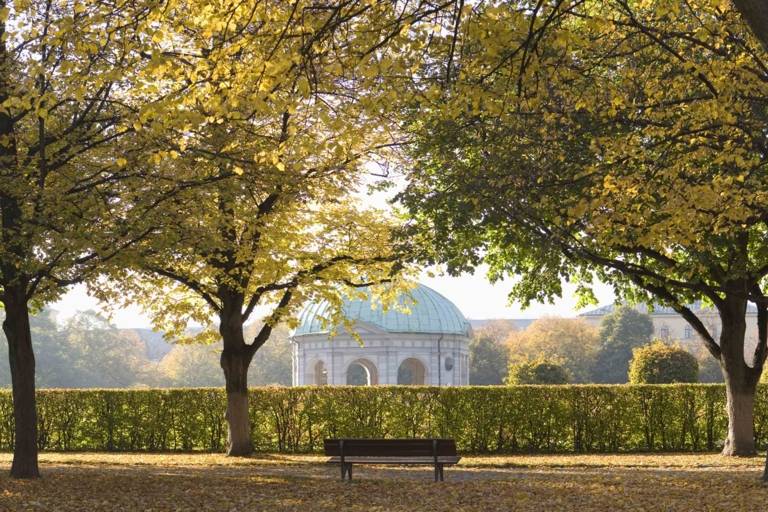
<point x="22" y="361"/>
<point x="235" y="360"/>
<point x="740" y="379"/>
<point x="238" y="420"/>
<point x="740" y="407"/>
<point x="14" y="287"/>
<point x="239" y="424"/>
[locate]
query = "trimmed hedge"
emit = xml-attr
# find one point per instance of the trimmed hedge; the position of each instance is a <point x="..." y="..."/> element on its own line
<point x="511" y="419"/>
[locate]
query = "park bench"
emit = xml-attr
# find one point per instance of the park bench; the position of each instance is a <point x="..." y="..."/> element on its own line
<point x="422" y="452"/>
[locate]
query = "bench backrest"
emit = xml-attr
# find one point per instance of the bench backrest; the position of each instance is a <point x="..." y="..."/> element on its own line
<point x="390" y="447"/>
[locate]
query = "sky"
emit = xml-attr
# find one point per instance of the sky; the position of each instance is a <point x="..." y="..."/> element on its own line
<point x="473" y="295"/>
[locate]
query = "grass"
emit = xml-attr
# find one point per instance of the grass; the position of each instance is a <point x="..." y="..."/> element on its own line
<point x="170" y="482"/>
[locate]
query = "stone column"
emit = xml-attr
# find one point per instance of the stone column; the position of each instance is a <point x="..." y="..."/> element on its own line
<point x="392" y="366"/>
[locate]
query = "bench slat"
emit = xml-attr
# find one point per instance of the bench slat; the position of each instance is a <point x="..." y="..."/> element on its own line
<point x="429" y="452"/>
<point x="391" y="447"/>
<point x="400" y="461"/>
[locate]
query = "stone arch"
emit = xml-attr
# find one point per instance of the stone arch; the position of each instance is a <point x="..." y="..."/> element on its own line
<point x="412" y="372"/>
<point x="321" y="373"/>
<point x="362" y="372"/>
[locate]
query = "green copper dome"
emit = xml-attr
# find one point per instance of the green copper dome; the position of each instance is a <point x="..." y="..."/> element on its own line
<point x="430" y="312"/>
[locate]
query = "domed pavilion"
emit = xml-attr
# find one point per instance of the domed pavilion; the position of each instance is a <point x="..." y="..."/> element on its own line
<point x="429" y="345"/>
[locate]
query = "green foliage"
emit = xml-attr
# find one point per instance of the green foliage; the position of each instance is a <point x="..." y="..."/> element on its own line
<point x="604" y="142"/>
<point x="660" y="363"/>
<point x="538" y="371"/>
<point x="504" y="419"/>
<point x="620" y="332"/>
<point x="488" y="360"/>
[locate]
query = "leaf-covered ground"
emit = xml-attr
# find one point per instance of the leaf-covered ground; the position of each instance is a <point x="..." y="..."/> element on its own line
<point x="169" y="482"/>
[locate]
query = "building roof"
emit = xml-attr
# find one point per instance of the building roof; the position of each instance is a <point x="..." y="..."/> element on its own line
<point x="658" y="309"/>
<point x="430" y="312"/>
<point x="520" y="324"/>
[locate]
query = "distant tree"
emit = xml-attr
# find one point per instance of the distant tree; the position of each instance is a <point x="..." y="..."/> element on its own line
<point x="272" y="363"/>
<point x="488" y="361"/>
<point x="51" y="357"/>
<point x="662" y="363"/>
<point x="620" y="332"/>
<point x="84" y="352"/>
<point x="498" y="329"/>
<point x="572" y="341"/>
<point x="538" y="371"/>
<point x="709" y="367"/>
<point x="709" y="370"/>
<point x="196" y="365"/>
<point x="43" y="330"/>
<point x="94" y="354"/>
<point x="191" y="365"/>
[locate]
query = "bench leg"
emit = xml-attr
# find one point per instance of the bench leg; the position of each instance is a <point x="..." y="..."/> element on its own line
<point x="437" y="473"/>
<point x="349" y="471"/>
<point x="442" y="476"/>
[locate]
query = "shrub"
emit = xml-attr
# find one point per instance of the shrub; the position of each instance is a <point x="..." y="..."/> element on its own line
<point x="538" y="371"/>
<point x="482" y="419"/>
<point x="660" y="363"/>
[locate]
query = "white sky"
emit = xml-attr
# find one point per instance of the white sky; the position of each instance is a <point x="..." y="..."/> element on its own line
<point x="473" y="294"/>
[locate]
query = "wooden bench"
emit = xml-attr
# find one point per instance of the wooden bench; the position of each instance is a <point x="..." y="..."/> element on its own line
<point x="422" y="452"/>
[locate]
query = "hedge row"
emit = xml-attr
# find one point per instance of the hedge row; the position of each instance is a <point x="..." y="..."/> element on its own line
<point x="545" y="419"/>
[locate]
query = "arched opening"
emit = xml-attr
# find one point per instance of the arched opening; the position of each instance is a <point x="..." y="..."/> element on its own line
<point x="321" y="374"/>
<point x="362" y="373"/>
<point x="411" y="372"/>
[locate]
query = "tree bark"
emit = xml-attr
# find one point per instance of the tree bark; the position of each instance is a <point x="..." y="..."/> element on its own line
<point x="740" y="379"/>
<point x="755" y="13"/>
<point x="235" y="360"/>
<point x="238" y="420"/>
<point x="22" y="361"/>
<point x="740" y="407"/>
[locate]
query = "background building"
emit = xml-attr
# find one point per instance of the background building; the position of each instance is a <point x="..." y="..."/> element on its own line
<point x="670" y="326"/>
<point x="428" y="346"/>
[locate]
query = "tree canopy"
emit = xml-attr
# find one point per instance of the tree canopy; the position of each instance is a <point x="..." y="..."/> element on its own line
<point x="68" y="108"/>
<point x="283" y="121"/>
<point x="614" y="141"/>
